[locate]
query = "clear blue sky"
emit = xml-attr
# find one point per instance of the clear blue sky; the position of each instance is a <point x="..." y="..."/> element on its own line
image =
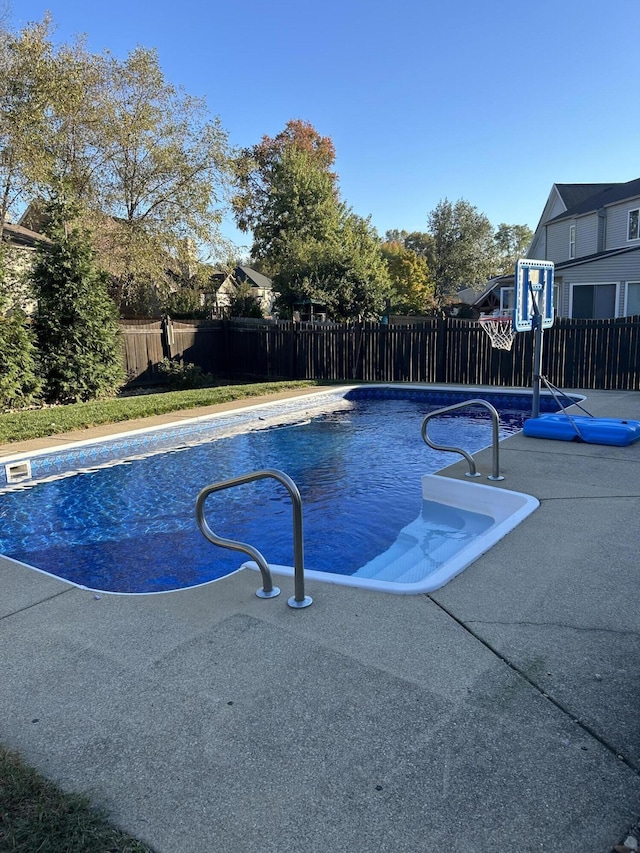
<point x="491" y="102"/>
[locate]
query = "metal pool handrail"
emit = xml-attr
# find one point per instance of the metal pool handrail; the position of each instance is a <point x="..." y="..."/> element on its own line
<point x="299" y="599"/>
<point x="496" y="437"/>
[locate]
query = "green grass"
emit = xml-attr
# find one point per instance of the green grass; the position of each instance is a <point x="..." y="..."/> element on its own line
<point x="37" y="817"/>
<point x="52" y="420"/>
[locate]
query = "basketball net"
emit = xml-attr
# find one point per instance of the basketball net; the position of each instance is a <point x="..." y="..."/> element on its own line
<point x="500" y="330"/>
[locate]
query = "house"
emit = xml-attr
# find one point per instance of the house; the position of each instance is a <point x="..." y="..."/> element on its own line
<point x="22" y="244"/>
<point x="225" y="285"/>
<point x="592" y="234"/>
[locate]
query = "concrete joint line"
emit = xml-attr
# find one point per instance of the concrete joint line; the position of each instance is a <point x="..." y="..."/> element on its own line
<point x="35" y="604"/>
<point x="632" y="765"/>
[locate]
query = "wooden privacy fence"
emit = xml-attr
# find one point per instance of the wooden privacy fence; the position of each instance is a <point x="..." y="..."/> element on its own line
<point x="601" y="354"/>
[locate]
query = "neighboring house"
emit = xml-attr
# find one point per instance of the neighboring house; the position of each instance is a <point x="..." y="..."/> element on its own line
<point x="225" y="285"/>
<point x="23" y="243"/>
<point x="592" y="234"/>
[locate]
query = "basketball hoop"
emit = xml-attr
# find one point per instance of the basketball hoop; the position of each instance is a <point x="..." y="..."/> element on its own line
<point x="500" y="330"/>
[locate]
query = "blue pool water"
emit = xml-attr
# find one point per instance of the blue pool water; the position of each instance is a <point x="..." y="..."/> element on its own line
<point x="131" y="527"/>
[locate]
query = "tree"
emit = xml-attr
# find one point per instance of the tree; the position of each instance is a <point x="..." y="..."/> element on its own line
<point x="411" y="281"/>
<point x="144" y="163"/>
<point x="310" y="244"/>
<point x="164" y="170"/>
<point x="76" y="321"/>
<point x="243" y="303"/>
<point x="19" y="384"/>
<point x="299" y="204"/>
<point x="463" y="247"/>
<point x="512" y="242"/>
<point x="257" y="167"/>
<point x="25" y="91"/>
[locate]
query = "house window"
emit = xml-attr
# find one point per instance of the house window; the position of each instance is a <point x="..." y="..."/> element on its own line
<point x="593" y="301"/>
<point x="572" y="241"/>
<point x="634" y="222"/>
<point x="506" y="300"/>
<point x="632" y="299"/>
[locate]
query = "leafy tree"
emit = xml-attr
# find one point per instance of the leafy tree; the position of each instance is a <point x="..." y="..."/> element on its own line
<point x="76" y="321"/>
<point x="512" y="242"/>
<point x="257" y="169"/>
<point x="304" y="237"/>
<point x="25" y="91"/>
<point x="463" y="247"/>
<point x="19" y="384"/>
<point x="164" y="173"/>
<point x="411" y="282"/>
<point x="244" y="303"/>
<point x="144" y="162"/>
<point x="300" y="205"/>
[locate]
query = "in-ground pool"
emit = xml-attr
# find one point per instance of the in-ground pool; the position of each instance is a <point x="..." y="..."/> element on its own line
<point x="117" y="524"/>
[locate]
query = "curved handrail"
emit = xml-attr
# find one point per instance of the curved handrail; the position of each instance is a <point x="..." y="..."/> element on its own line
<point x="299" y="599"/>
<point x="496" y="437"/>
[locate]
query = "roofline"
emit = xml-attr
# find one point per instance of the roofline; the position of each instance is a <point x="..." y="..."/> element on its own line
<point x="575" y="262"/>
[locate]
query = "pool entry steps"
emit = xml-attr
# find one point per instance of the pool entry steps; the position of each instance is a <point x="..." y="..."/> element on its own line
<point x="458" y="522"/>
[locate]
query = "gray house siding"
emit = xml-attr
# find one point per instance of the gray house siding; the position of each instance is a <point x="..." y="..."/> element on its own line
<point x="617" y="223"/>
<point x="586" y="235"/>
<point x="558" y="238"/>
<point x="558" y="241"/>
<point x="554" y="207"/>
<point x="538" y="247"/>
<point x="618" y="270"/>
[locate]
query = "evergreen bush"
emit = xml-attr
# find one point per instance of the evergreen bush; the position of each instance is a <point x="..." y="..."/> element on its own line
<point x="76" y="321"/>
<point x="19" y="385"/>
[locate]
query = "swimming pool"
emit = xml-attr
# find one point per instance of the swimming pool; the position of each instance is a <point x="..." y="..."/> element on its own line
<point x="119" y="516"/>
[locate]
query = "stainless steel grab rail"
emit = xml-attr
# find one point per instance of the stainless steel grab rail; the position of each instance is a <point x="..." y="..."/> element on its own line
<point x="496" y="437"/>
<point x="299" y="599"/>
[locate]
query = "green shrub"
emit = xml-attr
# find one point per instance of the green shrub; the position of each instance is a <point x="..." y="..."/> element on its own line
<point x="19" y="384"/>
<point x="181" y="376"/>
<point x="76" y="321"/>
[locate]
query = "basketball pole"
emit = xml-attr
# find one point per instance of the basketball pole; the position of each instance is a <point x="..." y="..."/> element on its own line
<point x="536" y="322"/>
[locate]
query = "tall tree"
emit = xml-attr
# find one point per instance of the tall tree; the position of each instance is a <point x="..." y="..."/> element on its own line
<point x="19" y="384"/>
<point x="512" y="242"/>
<point x="76" y="321"/>
<point x="411" y="280"/>
<point x="257" y="168"/>
<point x="463" y="247"/>
<point x="304" y="237"/>
<point x="25" y="96"/>
<point x="164" y="174"/>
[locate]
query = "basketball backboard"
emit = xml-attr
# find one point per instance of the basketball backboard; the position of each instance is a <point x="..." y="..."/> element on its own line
<point x="533" y="293"/>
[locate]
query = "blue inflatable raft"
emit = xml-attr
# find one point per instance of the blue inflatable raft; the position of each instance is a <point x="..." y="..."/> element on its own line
<point x="564" y="427"/>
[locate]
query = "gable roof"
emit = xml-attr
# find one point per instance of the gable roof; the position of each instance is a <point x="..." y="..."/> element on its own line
<point x="605" y="194"/>
<point x="575" y="194"/>
<point x="255" y="278"/>
<point x="22" y="236"/>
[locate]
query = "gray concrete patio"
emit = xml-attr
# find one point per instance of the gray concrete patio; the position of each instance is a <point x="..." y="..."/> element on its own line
<point x="498" y="714"/>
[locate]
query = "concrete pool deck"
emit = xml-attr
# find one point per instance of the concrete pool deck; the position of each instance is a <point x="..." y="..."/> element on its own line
<point x="499" y="713"/>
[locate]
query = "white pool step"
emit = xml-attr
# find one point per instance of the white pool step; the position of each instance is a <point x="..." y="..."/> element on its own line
<point x="423" y="545"/>
<point x="450" y="533"/>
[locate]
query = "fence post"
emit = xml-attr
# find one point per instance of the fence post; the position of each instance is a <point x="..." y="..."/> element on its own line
<point x="442" y="334"/>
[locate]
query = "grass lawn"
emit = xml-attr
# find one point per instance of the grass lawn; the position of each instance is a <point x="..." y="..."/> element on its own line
<point x="35" y="816"/>
<point x="52" y="420"/>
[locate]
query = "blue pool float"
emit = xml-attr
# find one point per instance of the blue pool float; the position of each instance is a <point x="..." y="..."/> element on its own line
<point x="563" y="427"/>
